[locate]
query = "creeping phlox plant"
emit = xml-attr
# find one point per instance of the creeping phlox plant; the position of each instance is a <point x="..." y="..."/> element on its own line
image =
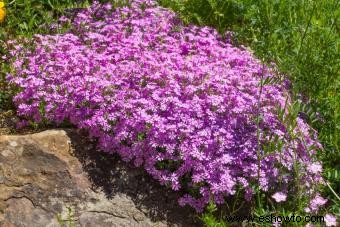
<point x="178" y="100"/>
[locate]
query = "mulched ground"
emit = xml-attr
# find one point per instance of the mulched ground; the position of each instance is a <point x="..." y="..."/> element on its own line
<point x="7" y="122"/>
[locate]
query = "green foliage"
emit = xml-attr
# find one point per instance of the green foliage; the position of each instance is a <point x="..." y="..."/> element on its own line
<point x="5" y="93"/>
<point x="209" y="217"/>
<point x="69" y="221"/>
<point x="28" y="17"/>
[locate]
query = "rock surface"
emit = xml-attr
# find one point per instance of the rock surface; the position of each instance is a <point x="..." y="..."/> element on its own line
<point x="47" y="174"/>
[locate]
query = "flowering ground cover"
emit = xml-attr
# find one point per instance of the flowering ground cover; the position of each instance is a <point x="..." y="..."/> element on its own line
<point x="302" y="38"/>
<point x="200" y="115"/>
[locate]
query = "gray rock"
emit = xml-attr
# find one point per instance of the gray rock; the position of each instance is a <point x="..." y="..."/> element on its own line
<point x="44" y="174"/>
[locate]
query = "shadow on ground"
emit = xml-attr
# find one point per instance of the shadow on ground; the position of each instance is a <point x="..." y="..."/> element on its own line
<point x="113" y="176"/>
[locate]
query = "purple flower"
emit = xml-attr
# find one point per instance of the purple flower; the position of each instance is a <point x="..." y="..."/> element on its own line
<point x="309" y="225"/>
<point x="279" y="197"/>
<point x="315" y="168"/>
<point x="315" y="204"/>
<point x="330" y="220"/>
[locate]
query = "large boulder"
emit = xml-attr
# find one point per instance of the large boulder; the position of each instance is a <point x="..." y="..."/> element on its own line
<point x="42" y="175"/>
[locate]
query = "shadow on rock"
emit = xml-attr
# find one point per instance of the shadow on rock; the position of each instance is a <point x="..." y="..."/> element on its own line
<point x="113" y="176"/>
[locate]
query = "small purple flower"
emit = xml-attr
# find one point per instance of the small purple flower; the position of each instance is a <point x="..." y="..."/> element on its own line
<point x="249" y="194"/>
<point x="21" y="124"/>
<point x="315" y="168"/>
<point x="330" y="220"/>
<point x="279" y="197"/>
<point x="184" y="49"/>
<point x="315" y="204"/>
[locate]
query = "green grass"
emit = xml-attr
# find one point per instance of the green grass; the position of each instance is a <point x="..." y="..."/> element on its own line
<point x="68" y="221"/>
<point x="302" y="38"/>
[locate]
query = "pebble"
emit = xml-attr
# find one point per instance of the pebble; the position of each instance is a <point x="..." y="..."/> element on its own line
<point x="13" y="143"/>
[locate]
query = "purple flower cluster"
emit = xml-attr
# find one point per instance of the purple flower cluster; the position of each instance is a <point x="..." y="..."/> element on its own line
<point x="178" y="100"/>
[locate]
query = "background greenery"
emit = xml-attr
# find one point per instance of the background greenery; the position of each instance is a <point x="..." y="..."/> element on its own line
<point x="300" y="36"/>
